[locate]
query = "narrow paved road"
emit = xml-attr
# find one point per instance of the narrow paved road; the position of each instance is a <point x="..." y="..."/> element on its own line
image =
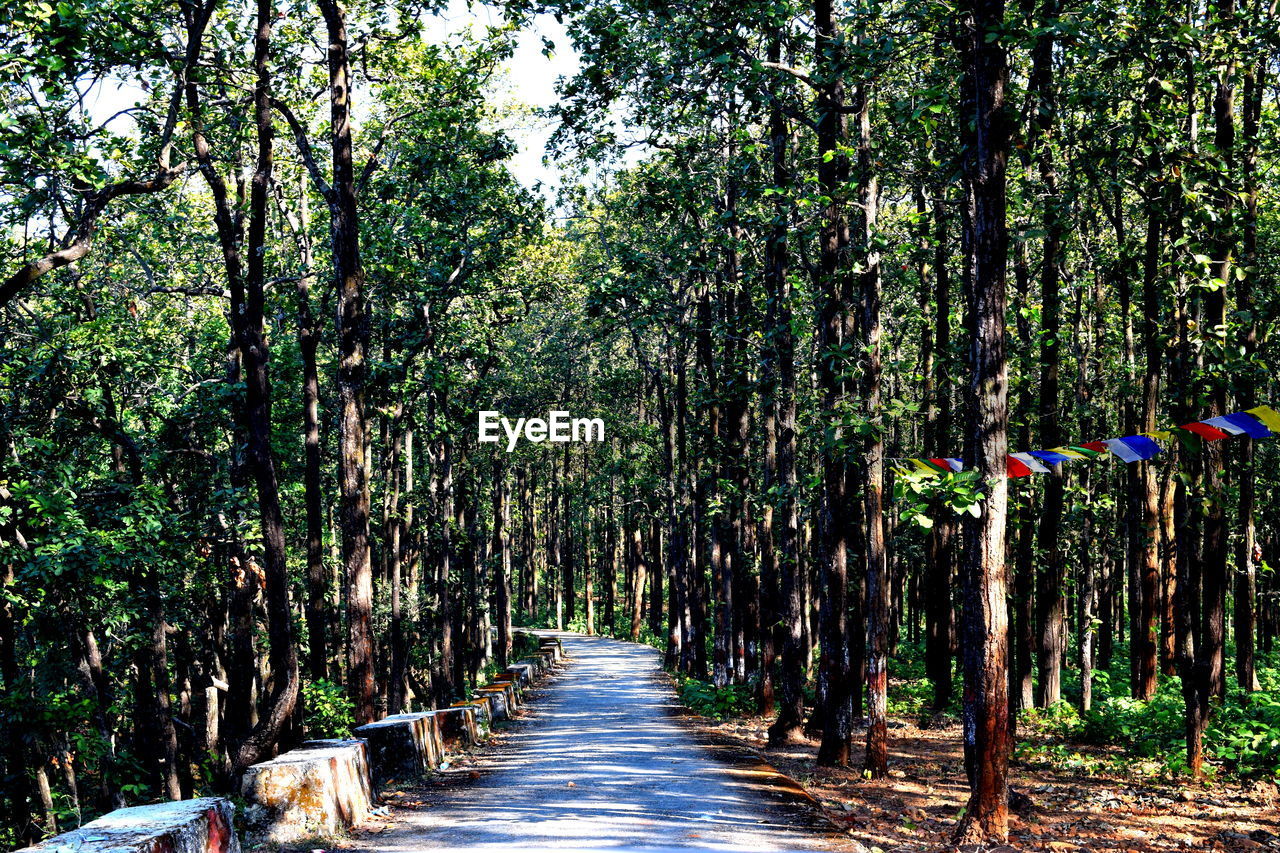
<point x="641" y="780"/>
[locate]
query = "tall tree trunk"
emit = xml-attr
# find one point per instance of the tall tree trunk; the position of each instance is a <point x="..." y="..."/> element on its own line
<point x="502" y="563"/>
<point x="1247" y="552"/>
<point x="834" y="332"/>
<point x="1222" y="246"/>
<point x="610" y="557"/>
<point x="985" y="142"/>
<point x="1087" y="597"/>
<point x="308" y="342"/>
<point x="657" y="572"/>
<point x="721" y="551"/>
<point x="566" y="551"/>
<point x="639" y="573"/>
<point x="1169" y="580"/>
<point x="940" y="543"/>
<point x="1188" y="546"/>
<point x="878" y="583"/>
<point x="1050" y="598"/>
<point x="675" y="540"/>
<point x="153" y="666"/>
<point x="775" y="613"/>
<point x="353" y="345"/>
<point x="1022" y="684"/>
<point x="445" y="680"/>
<point x="790" y="602"/>
<point x="1144" y="642"/>
<point x="247" y="286"/>
<point x="398" y="677"/>
<point x="588" y="563"/>
<point x="524" y="489"/>
<point x="554" y="537"/>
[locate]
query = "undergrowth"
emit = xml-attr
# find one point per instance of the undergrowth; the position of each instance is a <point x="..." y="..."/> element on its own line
<point x="1242" y="737"/>
<point x="718" y="703"/>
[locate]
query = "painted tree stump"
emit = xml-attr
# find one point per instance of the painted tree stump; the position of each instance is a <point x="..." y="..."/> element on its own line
<point x="321" y="790"/>
<point x="402" y="746"/>
<point x="536" y="666"/>
<point x="512" y="690"/>
<point x="499" y="705"/>
<point x="205" y="825"/>
<point x="523" y="671"/>
<point x="484" y="712"/>
<point x="458" y="726"/>
<point x="511" y="681"/>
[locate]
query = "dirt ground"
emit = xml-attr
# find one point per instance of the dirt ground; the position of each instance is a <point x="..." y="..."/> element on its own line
<point x="1119" y="805"/>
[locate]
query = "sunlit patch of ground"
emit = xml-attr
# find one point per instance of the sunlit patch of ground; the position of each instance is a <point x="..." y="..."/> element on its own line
<point x="1101" y="800"/>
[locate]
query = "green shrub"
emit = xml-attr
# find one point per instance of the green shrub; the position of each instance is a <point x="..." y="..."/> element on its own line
<point x="910" y="698"/>
<point x="1148" y="728"/>
<point x="327" y="711"/>
<point x="1060" y="720"/>
<point x="524" y="645"/>
<point x="1243" y="734"/>
<point x="736" y="700"/>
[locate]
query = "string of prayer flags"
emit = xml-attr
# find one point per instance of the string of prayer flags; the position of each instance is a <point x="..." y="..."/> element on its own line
<point x="936" y="466"/>
<point x="1022" y="464"/>
<point x="1258" y="422"/>
<point x="1241" y="423"/>
<point x="1133" y="448"/>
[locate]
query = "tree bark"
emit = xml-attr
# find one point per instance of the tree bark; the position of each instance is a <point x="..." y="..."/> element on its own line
<point x="879" y="584"/>
<point x="247" y="287"/>
<point x="502" y="562"/>
<point x="639" y="572"/>
<point x="940" y="543"/>
<point x="353" y="345"/>
<point x="313" y="499"/>
<point x="834" y="331"/>
<point x="1050" y="597"/>
<point x="1145" y="641"/>
<point x="985" y="143"/>
<point x="397" y="685"/>
<point x="568" y="582"/>
<point x="788" y="726"/>
<point x="1222" y="246"/>
<point x="446" y="683"/>
<point x="1247" y="551"/>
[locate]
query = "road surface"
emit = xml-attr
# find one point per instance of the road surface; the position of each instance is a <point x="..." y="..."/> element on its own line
<point x="603" y="765"/>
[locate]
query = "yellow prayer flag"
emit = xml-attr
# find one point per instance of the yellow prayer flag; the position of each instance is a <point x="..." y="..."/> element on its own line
<point x="1268" y="416"/>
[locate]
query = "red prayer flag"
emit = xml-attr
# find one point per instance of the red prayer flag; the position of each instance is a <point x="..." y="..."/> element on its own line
<point x="1017" y="468"/>
<point x="1208" y="433"/>
<point x="1097" y="446"/>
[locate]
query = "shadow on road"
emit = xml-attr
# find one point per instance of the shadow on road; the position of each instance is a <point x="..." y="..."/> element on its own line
<point x="605" y="765"/>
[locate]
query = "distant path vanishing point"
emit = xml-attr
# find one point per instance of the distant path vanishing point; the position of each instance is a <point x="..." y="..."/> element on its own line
<point x="641" y="779"/>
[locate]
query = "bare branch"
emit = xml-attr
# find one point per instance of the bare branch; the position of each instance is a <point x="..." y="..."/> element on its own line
<point x="304" y="148"/>
<point x="798" y="73"/>
<point x="80" y="240"/>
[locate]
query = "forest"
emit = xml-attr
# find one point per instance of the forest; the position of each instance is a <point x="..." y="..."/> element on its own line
<point x="819" y="270"/>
